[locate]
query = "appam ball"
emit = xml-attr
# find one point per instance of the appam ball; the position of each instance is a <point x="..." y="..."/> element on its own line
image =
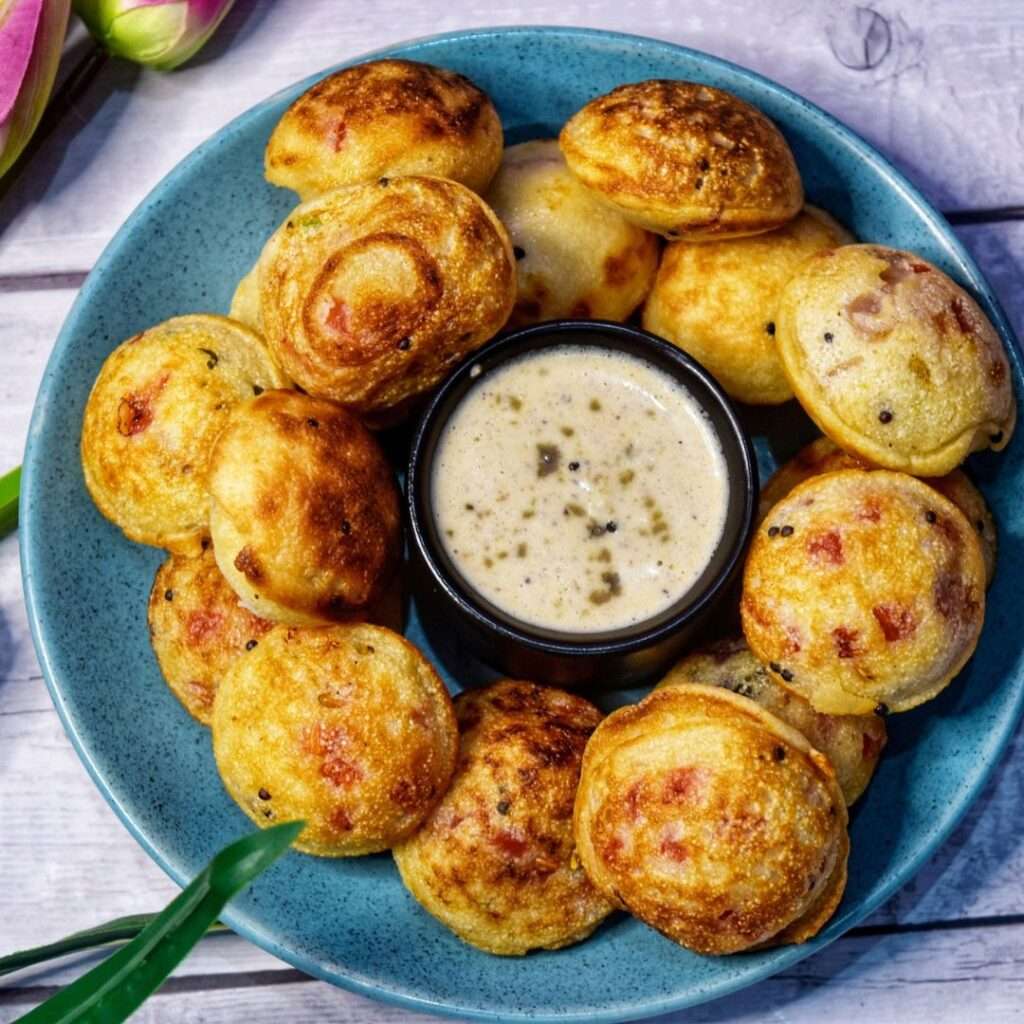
<point x="370" y="295"/>
<point x="718" y="301"/>
<point x="346" y="727"/>
<point x="824" y="456"/>
<point x="494" y="861"/>
<point x="894" y="361"/>
<point x="158" y="404"/>
<point x="852" y="743"/>
<point x="304" y="511"/>
<point x="385" y="117"/>
<point x="575" y="257"/>
<point x="684" y="159"/>
<point x="864" y="590"/>
<point x="711" y="820"/>
<point x="198" y="628"/>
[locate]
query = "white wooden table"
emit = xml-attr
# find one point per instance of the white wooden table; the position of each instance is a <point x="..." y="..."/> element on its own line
<point x="938" y="85"/>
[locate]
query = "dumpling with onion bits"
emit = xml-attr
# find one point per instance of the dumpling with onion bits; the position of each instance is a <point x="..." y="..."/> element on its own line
<point x="575" y="257"/>
<point x="852" y="743"/>
<point x="347" y="727"/>
<point x="370" y="295"/>
<point x="718" y="301"/>
<point x="864" y="590"/>
<point x="684" y="159"/>
<point x="494" y="861"/>
<point x="893" y="360"/>
<point x="824" y="456"/>
<point x="158" y="404"/>
<point x="198" y="628"/>
<point x="385" y="117"/>
<point x="304" y="510"/>
<point x="712" y="820"/>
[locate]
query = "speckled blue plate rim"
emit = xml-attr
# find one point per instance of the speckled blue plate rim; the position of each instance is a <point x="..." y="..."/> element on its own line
<point x="243" y="924"/>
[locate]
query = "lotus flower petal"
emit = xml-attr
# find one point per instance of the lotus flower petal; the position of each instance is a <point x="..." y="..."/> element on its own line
<point x="31" y="40"/>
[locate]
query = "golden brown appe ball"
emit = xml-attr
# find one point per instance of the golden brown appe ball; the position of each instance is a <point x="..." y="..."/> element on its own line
<point x="718" y="301"/>
<point x="385" y="117"/>
<point x="494" y="861"/>
<point x="370" y="295"/>
<point x="198" y="628"/>
<point x="894" y="361"/>
<point x="852" y="743"/>
<point x="864" y="590"/>
<point x="684" y="159"/>
<point x="303" y="509"/>
<point x="575" y="257"/>
<point x="823" y="456"/>
<point x="711" y="820"/>
<point x="347" y="727"/>
<point x="156" y="407"/>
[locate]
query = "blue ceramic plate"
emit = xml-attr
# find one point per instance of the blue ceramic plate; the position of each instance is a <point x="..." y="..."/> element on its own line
<point x="351" y="922"/>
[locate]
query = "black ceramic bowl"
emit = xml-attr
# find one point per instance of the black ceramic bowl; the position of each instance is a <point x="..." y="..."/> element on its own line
<point x="456" y="617"/>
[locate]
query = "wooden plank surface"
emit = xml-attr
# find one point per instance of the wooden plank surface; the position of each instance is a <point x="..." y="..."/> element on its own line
<point x="937" y="85"/>
<point x="943" y="95"/>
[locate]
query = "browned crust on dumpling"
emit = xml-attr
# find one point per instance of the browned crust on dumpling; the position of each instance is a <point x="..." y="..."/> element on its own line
<point x="710" y="819"/>
<point x="684" y="159"/>
<point x="154" y="411"/>
<point x="852" y="743"/>
<point x="864" y="588"/>
<point x="347" y="727"/>
<point x="575" y="256"/>
<point x="718" y="301"/>
<point x="494" y="862"/>
<point x="893" y="360"/>
<point x="198" y="629"/>
<point x="385" y="117"/>
<point x="304" y="509"/>
<point x="824" y="456"/>
<point x="370" y="295"/>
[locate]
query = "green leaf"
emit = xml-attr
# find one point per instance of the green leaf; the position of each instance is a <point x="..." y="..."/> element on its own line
<point x="116" y="988"/>
<point x="9" y="487"/>
<point x="121" y="929"/>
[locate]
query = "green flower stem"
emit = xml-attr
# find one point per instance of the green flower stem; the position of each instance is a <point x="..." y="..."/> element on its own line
<point x="121" y="929"/>
<point x="116" y="988"/>
<point x="10" y="485"/>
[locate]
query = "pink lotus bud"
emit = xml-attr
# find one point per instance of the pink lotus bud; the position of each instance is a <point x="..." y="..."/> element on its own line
<point x="31" y="40"/>
<point x="159" y="33"/>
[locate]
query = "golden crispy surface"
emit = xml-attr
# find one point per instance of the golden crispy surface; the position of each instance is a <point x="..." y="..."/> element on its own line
<point x="494" y="860"/>
<point x="385" y="117"/>
<point x="864" y="588"/>
<point x="894" y="361"/>
<point x="823" y="456"/>
<point x="304" y="509"/>
<point x="371" y="294"/>
<point x="710" y="819"/>
<point x="718" y="301"/>
<point x="684" y="159"/>
<point x="245" y="303"/>
<point x="347" y="727"/>
<point x="852" y="743"/>
<point x="198" y="629"/>
<point x="576" y="257"/>
<point x="155" y="409"/>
